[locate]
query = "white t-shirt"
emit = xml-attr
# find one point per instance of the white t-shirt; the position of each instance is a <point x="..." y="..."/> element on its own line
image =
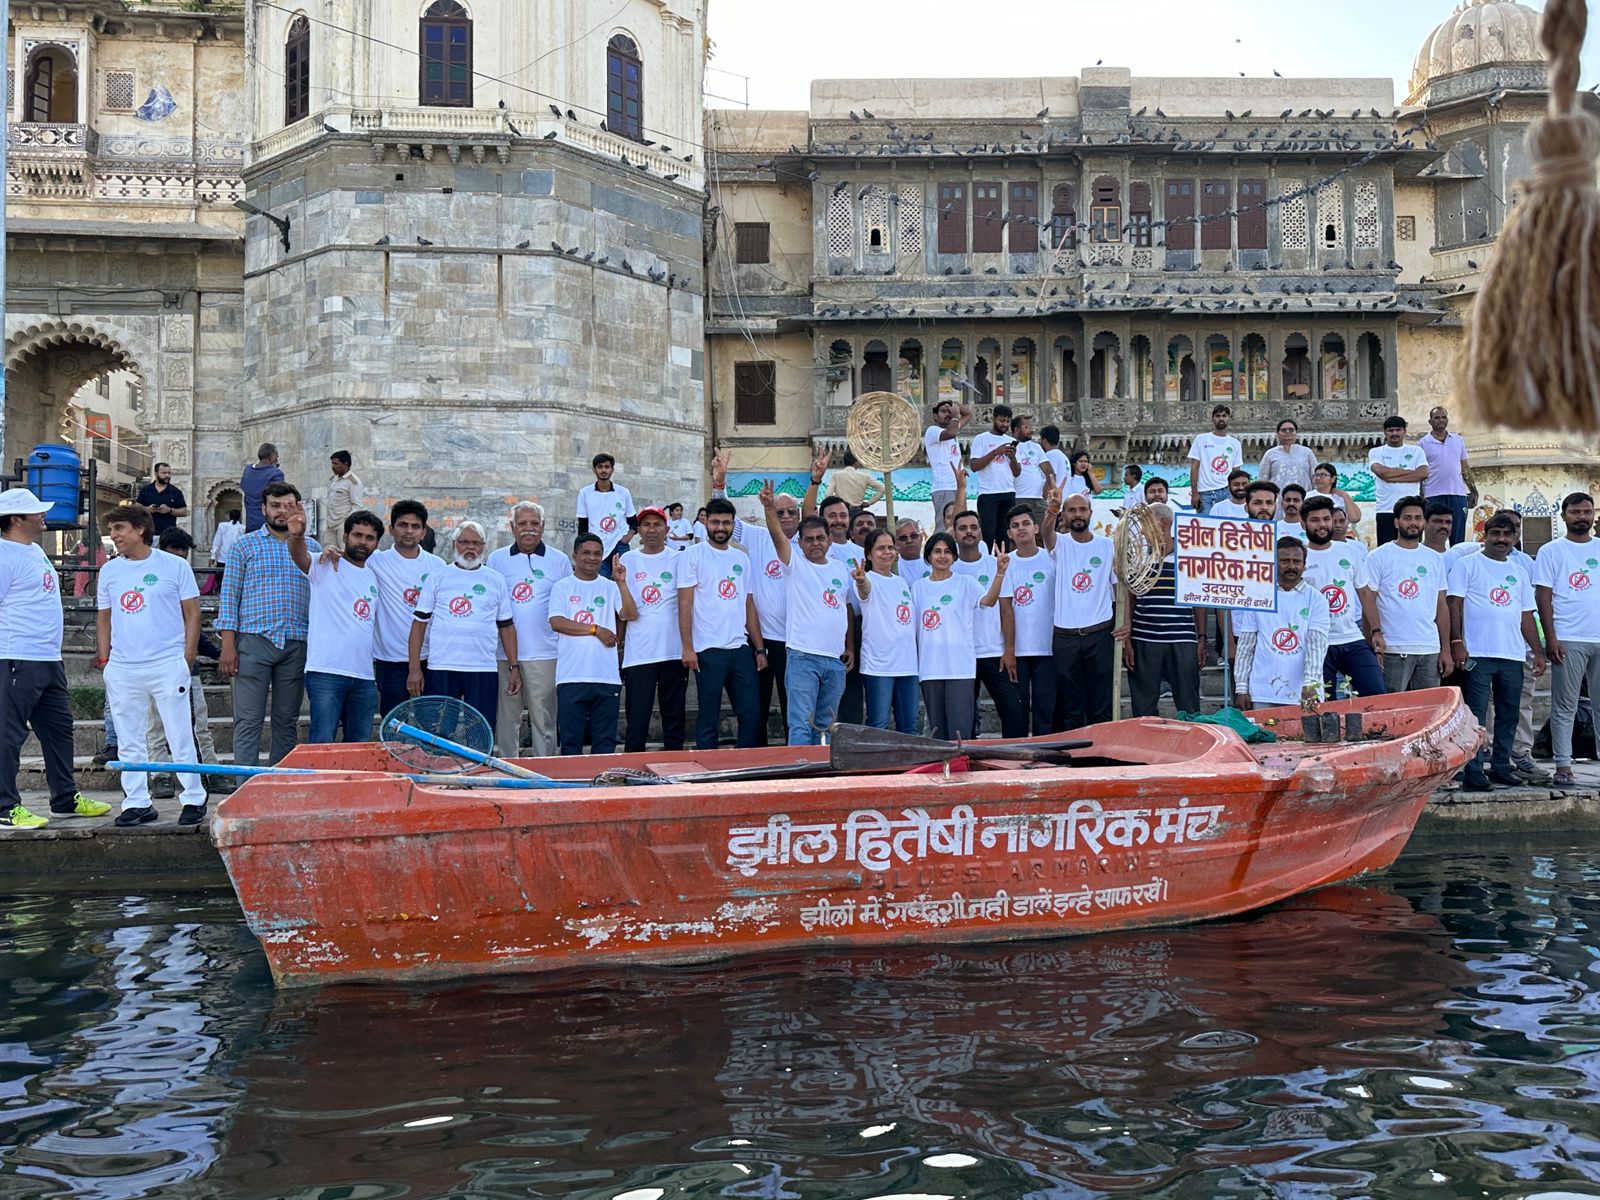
<point x="400" y="581"/>
<point x="995" y="479"/>
<point x="1031" y="585"/>
<point x="529" y="578"/>
<point x="1229" y="508"/>
<point x="721" y="580"/>
<point x="1408" y="584"/>
<point x="1285" y="529"/>
<point x="1057" y="459"/>
<point x="819" y="611"/>
<point x="1337" y="502"/>
<point x="1083" y="587"/>
<point x="652" y="581"/>
<point x="946" y="615"/>
<point x="1406" y="457"/>
<point x="1030" y="484"/>
<point x="912" y="569"/>
<point x="988" y="641"/>
<point x="847" y="555"/>
<point x="1571" y="570"/>
<point x="598" y="602"/>
<point x="607" y="513"/>
<point x="467" y="607"/>
<point x="1278" y="671"/>
<point x="1494" y="595"/>
<point x="1217" y="454"/>
<point x="344" y="605"/>
<point x="30" y="604"/>
<point x="1339" y="572"/>
<point x="145" y="599"/>
<point x="680" y="534"/>
<point x="767" y="583"/>
<point x="888" y="627"/>
<point x="944" y="454"/>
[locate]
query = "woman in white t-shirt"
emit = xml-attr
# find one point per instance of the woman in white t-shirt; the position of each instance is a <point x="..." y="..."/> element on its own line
<point x="888" y="636"/>
<point x="1080" y="476"/>
<point x="946" y="606"/>
<point x="1325" y="482"/>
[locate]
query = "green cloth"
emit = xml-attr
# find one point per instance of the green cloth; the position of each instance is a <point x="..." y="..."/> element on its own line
<point x="1234" y="720"/>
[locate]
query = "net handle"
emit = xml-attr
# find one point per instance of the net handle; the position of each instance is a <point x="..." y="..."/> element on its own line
<point x="422" y="737"/>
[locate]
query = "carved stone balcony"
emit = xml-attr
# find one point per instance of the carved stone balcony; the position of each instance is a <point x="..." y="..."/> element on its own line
<point x="49" y="160"/>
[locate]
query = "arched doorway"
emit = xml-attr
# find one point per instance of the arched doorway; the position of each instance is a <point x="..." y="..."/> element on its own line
<point x="50" y="87"/>
<point x="45" y="368"/>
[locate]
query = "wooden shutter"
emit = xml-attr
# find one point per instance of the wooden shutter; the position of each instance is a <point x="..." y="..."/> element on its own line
<point x="952" y="218"/>
<point x="1214" y="232"/>
<point x="986" y="213"/>
<point x="1252" y="214"/>
<point x="752" y="241"/>
<point x="1063" y="218"/>
<point x="1139" y="213"/>
<point x="1024" y="217"/>
<point x="1180" y="210"/>
<point x="755" y="393"/>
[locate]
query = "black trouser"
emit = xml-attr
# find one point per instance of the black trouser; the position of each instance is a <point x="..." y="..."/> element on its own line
<point x="391" y="680"/>
<point x="587" y="712"/>
<point x="666" y="681"/>
<point x="1385" y="528"/>
<point x="1176" y="662"/>
<point x="992" y="512"/>
<point x="771" y="680"/>
<point x="36" y="697"/>
<point x="1036" y="690"/>
<point x="1007" y="699"/>
<point x="1084" y="665"/>
<point x="853" y="704"/>
<point x="735" y="671"/>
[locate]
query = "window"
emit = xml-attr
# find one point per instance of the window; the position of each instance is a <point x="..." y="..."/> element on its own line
<point x="1139" y="213"/>
<point x="1214" y="231"/>
<point x="446" y="57"/>
<point x="1294" y="225"/>
<point x="910" y="210"/>
<point x="1063" y="218"/>
<point x="840" y="223"/>
<point x="1405" y="229"/>
<point x="987" y="210"/>
<point x="1105" y="215"/>
<point x="1366" y="215"/>
<point x="1180" y="214"/>
<point x="755" y="393"/>
<point x="1330" y="216"/>
<point x="297" y="71"/>
<point x="752" y="242"/>
<point x="51" y="84"/>
<point x="875" y="221"/>
<point x="117" y="93"/>
<point x="624" y="89"/>
<point x="1024" y="224"/>
<point x="1252" y="214"/>
<point x="952" y="218"/>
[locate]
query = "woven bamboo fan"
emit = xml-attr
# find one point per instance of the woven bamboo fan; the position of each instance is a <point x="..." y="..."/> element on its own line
<point x="884" y="431"/>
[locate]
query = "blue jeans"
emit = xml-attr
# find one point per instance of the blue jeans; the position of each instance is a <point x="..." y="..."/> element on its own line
<point x="815" y="684"/>
<point x="1356" y="661"/>
<point x="391" y="679"/>
<point x="734" y="671"/>
<point x="1501" y="680"/>
<point x="341" y="700"/>
<point x="1209" y="500"/>
<point x="892" y="693"/>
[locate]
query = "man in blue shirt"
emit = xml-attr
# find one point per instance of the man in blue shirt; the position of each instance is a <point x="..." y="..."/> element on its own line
<point x="164" y="499"/>
<point x="254" y="482"/>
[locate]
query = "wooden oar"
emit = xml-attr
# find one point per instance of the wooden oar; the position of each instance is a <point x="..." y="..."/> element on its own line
<point x="864" y="748"/>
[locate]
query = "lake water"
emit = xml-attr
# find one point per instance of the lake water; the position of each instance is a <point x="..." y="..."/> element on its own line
<point x="1435" y="1032"/>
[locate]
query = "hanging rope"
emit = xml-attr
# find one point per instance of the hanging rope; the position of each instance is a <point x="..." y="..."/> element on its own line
<point x="1533" y="355"/>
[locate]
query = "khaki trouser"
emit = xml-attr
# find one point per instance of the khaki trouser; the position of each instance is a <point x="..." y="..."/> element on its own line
<point x="538" y="700"/>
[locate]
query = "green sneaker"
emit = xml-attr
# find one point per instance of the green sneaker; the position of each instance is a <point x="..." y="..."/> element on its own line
<point x="20" y="818"/>
<point x="82" y="806"/>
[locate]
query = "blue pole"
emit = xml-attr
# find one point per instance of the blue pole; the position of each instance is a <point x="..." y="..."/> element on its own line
<point x="413" y="734"/>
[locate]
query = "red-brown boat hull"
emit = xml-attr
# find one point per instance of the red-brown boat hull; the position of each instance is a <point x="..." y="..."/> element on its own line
<point x="372" y="876"/>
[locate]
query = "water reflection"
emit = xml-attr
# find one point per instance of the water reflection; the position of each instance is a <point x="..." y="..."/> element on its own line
<point x="1434" y="1035"/>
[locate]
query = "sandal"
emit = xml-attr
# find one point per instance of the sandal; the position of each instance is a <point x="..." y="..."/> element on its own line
<point x="1563" y="778"/>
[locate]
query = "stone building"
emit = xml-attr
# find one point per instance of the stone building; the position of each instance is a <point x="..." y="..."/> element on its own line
<point x="474" y="254"/>
<point x="1114" y="253"/>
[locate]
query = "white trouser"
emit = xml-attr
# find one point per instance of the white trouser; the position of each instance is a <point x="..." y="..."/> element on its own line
<point x="204" y="745"/>
<point x="538" y="700"/>
<point x="131" y="690"/>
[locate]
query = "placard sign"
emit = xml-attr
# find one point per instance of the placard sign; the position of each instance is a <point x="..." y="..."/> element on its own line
<point x="1227" y="562"/>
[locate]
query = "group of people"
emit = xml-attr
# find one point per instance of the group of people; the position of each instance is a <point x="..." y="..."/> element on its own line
<point x="819" y="608"/>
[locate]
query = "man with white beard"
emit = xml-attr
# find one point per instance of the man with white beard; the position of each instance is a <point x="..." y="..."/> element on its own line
<point x="463" y="611"/>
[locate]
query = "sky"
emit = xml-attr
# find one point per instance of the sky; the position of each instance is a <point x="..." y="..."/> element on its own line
<point x="768" y="51"/>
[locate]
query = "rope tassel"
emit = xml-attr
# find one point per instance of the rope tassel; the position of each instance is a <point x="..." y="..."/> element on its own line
<point x="1533" y="355"/>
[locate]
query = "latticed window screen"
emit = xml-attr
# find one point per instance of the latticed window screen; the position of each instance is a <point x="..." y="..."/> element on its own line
<point x="875" y="221"/>
<point x="1405" y="229"/>
<point x="839" y="222"/>
<point x="910" y="220"/>
<point x="1293" y="224"/>
<point x="752" y="242"/>
<point x="755" y="393"/>
<point x="1330" y="216"/>
<point x="118" y="93"/>
<point x="1366" y="214"/>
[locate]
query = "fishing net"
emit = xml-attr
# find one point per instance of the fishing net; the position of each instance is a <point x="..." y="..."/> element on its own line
<point x="444" y="717"/>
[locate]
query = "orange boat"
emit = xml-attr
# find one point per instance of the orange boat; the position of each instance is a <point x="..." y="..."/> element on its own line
<point x="367" y="874"/>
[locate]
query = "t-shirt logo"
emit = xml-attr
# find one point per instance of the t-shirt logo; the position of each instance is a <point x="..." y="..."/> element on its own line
<point x="1335" y="595"/>
<point x="1285" y="641"/>
<point x="1499" y="596"/>
<point x="651" y="594"/>
<point x="132" y="600"/>
<point x="362" y="609"/>
<point x="48" y="582"/>
<point x="583" y="616"/>
<point x="410" y="594"/>
<point x="1022" y="596"/>
<point x="522" y="592"/>
<point x="1219" y="463"/>
<point x="478" y="589"/>
<point x="1579" y="579"/>
<point x="930" y="616"/>
<point x="774" y="568"/>
<point x="607" y="524"/>
<point x="902" y="613"/>
<point x="1408" y="589"/>
<point x="460" y="606"/>
<point x="1082" y="581"/>
<point x="830" y="596"/>
<point x="727" y="589"/>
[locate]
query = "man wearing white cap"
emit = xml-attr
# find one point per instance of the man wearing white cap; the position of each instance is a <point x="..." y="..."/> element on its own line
<point x="148" y="633"/>
<point x="33" y="683"/>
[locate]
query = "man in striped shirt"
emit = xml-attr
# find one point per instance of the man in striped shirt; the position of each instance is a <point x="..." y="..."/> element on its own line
<point x="1163" y="641"/>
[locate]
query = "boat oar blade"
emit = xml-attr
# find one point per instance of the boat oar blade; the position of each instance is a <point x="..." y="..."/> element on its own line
<point x="863" y="748"/>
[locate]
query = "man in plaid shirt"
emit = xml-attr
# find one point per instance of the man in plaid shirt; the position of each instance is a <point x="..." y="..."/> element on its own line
<point x="262" y="619"/>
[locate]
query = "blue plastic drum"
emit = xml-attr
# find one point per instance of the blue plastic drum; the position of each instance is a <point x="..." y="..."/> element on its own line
<point x="52" y="472"/>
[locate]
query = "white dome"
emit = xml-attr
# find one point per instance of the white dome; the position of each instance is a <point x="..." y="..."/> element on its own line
<point x="1477" y="33"/>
